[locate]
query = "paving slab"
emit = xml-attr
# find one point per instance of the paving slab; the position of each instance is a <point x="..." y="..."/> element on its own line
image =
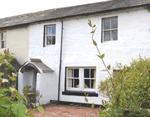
<point x="67" y="111"/>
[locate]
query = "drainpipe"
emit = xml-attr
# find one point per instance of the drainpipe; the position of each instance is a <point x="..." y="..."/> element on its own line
<point x="60" y="60"/>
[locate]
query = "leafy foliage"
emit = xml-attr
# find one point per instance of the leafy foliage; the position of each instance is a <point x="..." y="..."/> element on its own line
<point x="132" y="86"/>
<point x="12" y="104"/>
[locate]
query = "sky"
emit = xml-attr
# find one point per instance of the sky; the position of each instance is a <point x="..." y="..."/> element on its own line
<point x="16" y="7"/>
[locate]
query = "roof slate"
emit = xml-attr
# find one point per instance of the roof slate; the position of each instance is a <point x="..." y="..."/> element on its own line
<point x="71" y="11"/>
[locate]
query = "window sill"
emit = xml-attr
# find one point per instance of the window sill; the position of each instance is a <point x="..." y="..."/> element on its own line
<point x="80" y="93"/>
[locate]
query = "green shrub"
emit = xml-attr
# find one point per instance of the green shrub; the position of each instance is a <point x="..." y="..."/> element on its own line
<point x="130" y="93"/>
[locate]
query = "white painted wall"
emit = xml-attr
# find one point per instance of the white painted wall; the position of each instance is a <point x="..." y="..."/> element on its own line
<point x="78" y="50"/>
<point x="50" y="55"/>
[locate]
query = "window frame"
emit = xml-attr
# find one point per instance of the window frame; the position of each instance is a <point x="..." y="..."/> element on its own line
<point x="110" y="30"/>
<point x="2" y="40"/>
<point x="45" y="39"/>
<point x="81" y="80"/>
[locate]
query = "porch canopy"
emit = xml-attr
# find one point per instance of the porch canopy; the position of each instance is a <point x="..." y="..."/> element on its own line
<point x="37" y="64"/>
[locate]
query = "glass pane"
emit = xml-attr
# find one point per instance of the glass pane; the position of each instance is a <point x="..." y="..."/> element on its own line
<point x="76" y="83"/>
<point x="70" y="72"/>
<point x="48" y="30"/>
<point x="114" y="23"/>
<point x="93" y="83"/>
<point x="53" y="30"/>
<point x="86" y="73"/>
<point x="53" y="40"/>
<point x="114" y="34"/>
<point x="106" y="23"/>
<point x="106" y="35"/>
<point x="87" y="83"/>
<point x="48" y="40"/>
<point x="4" y="35"/>
<point x="92" y="73"/>
<point x="76" y="73"/>
<point x="70" y="82"/>
<point x="2" y="44"/>
<point x="0" y="36"/>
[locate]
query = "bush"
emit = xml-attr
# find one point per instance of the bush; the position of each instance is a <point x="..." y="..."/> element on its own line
<point x="12" y="104"/>
<point x="130" y="93"/>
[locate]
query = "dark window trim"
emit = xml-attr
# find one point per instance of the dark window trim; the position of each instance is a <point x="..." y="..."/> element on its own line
<point x="65" y="78"/>
<point x="80" y="93"/>
<point x="44" y="37"/>
<point x="44" y="34"/>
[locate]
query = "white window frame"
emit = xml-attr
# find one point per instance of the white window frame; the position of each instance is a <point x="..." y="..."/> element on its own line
<point x="110" y="30"/>
<point x="2" y="40"/>
<point x="81" y="80"/>
<point x="50" y="35"/>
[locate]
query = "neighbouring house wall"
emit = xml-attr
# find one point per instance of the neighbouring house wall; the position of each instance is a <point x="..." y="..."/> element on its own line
<point x="17" y="40"/>
<point x="50" y="55"/>
<point x="78" y="50"/>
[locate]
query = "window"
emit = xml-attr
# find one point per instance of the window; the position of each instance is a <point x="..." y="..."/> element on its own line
<point x="3" y="40"/>
<point x="109" y="29"/>
<point x="82" y="79"/>
<point x="89" y="78"/>
<point x="50" y="35"/>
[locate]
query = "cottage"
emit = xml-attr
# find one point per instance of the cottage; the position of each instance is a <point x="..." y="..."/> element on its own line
<point x="56" y="51"/>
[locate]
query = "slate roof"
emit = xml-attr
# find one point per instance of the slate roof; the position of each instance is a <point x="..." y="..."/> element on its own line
<point x="71" y="11"/>
<point x="36" y="64"/>
<point x="15" y="64"/>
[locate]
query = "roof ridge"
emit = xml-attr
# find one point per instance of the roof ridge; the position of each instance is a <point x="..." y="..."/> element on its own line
<point x="70" y="11"/>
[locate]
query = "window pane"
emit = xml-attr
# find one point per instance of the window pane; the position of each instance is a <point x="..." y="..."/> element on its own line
<point x="92" y="73"/>
<point x="70" y="72"/>
<point x="1" y="36"/>
<point x="53" y="30"/>
<point x="2" y="44"/>
<point x="114" y="34"/>
<point x="93" y="83"/>
<point x="70" y="82"/>
<point x="106" y="23"/>
<point x="53" y="40"/>
<point x="86" y="73"/>
<point x="47" y="30"/>
<point x="4" y="35"/>
<point x="87" y="83"/>
<point x="48" y="40"/>
<point x="50" y="30"/>
<point x="114" y="23"/>
<point x="76" y="83"/>
<point x="76" y="73"/>
<point x="106" y="35"/>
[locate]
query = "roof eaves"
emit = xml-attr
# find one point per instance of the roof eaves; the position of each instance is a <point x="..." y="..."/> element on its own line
<point x="69" y="16"/>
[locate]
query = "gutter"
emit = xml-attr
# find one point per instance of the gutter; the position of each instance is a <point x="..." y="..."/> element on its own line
<point x="60" y="63"/>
